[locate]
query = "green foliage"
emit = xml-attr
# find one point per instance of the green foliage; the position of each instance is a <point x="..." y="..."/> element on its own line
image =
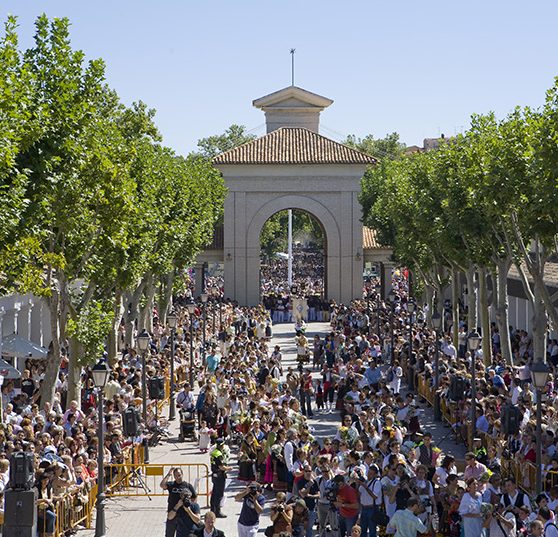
<point x="234" y="136"/>
<point x="92" y="202"/>
<point x="90" y="329"/>
<point x="274" y="234"/>
<point x="389" y="148"/>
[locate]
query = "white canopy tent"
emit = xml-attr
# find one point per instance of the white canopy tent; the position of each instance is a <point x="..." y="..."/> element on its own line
<point x="8" y="371"/>
<point x="19" y="347"/>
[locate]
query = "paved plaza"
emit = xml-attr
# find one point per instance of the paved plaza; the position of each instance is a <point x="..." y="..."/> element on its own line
<point x="140" y="517"/>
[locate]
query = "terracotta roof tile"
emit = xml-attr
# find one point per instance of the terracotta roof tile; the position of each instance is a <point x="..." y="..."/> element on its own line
<point x="289" y="145"/>
<point x="370" y="239"/>
<point x="550" y="273"/>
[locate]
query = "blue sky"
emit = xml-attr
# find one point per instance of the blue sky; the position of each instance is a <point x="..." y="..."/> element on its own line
<point x="416" y="67"/>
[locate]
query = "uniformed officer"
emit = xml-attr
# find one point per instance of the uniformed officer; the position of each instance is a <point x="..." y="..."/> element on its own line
<point x="219" y="470"/>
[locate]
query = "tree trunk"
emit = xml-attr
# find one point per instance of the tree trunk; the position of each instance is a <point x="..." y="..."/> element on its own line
<point x="146" y="313"/>
<point x="540" y="322"/>
<point x="429" y="295"/>
<point x="484" y="316"/>
<point x="165" y="297"/>
<point x="74" y="370"/>
<point x="471" y="299"/>
<point x="131" y="310"/>
<point x="455" y="305"/>
<point x="502" y="307"/>
<point x="53" y="361"/>
<point x="112" y="339"/>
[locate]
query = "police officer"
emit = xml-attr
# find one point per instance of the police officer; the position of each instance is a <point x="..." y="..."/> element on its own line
<point x="219" y="470"/>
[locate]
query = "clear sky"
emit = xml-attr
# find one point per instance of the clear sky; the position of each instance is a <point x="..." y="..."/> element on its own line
<point x="418" y="67"/>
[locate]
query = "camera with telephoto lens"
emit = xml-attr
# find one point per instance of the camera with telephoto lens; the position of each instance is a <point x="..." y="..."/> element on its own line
<point x="254" y="490"/>
<point x="331" y="491"/>
<point x="186" y="498"/>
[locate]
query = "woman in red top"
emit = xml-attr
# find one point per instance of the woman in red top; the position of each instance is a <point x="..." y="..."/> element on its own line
<point x="348" y="504"/>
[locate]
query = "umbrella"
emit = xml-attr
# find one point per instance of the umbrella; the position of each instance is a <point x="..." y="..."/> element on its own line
<point x="7" y="371"/>
<point x="14" y="345"/>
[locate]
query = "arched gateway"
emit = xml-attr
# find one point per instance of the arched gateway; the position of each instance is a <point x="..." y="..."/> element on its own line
<point x="292" y="167"/>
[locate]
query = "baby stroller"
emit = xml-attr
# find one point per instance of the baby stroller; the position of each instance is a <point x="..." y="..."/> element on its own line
<point x="187" y="425"/>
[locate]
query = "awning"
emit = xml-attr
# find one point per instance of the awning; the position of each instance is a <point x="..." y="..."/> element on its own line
<point x="9" y="372"/>
<point x="14" y="345"/>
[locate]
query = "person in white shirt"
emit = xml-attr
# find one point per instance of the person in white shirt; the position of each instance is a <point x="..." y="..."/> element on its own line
<point x="502" y="523"/>
<point x="370" y="493"/>
<point x="516" y="391"/>
<point x="550" y="528"/>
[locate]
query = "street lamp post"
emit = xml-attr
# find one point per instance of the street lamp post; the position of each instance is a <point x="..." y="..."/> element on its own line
<point x="410" y="372"/>
<point x="391" y="299"/>
<point x="378" y="300"/>
<point x="436" y="323"/>
<point x="143" y="344"/>
<point x="204" y="298"/>
<point x="213" y="317"/>
<point x="539" y="376"/>
<point x="172" y="320"/>
<point x="221" y="313"/>
<point x="100" y="373"/>
<point x="191" y="309"/>
<point x="474" y="340"/>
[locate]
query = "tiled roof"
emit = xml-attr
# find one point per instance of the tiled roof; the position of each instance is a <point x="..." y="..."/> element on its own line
<point x="370" y="239"/>
<point x="289" y="145"/>
<point x="550" y="273"/>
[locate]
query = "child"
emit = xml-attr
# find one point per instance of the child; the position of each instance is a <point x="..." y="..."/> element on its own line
<point x="319" y="395"/>
<point x="204" y="436"/>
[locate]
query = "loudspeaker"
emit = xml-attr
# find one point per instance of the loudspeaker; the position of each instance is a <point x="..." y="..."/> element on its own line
<point x="20" y="513"/>
<point x="511" y="419"/>
<point x="21" y="470"/>
<point x="156" y="387"/>
<point x="131" y="422"/>
<point x="458" y="387"/>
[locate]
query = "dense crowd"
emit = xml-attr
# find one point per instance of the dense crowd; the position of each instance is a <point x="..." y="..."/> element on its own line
<point x="380" y="469"/>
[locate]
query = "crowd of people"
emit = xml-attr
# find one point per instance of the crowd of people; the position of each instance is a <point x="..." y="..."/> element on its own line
<point x="379" y="470"/>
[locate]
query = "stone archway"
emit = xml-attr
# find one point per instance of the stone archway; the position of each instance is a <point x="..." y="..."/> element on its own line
<point x="292" y="167"/>
<point x="317" y="210"/>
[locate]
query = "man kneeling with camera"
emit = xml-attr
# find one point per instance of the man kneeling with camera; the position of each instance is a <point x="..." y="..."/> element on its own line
<point x="187" y="513"/>
<point x="252" y="506"/>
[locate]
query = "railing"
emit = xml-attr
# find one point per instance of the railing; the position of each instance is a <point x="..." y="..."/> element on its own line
<point x="524" y="472"/>
<point x="144" y="479"/>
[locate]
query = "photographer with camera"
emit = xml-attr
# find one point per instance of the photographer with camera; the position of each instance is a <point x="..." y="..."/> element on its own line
<point x="405" y="522"/>
<point x="348" y="504"/>
<point x="307" y="488"/>
<point x="252" y="507"/>
<point x="175" y="489"/>
<point x="501" y="522"/>
<point x="186" y="512"/>
<point x="281" y="516"/>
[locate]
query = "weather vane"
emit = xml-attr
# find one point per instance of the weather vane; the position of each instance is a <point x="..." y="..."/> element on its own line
<point x="293" y="50"/>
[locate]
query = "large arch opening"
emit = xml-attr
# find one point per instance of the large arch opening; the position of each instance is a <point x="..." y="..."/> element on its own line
<point x="309" y="263"/>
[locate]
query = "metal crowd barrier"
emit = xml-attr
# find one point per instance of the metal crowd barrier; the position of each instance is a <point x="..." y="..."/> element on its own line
<point x="143" y="479"/>
<point x="523" y="472"/>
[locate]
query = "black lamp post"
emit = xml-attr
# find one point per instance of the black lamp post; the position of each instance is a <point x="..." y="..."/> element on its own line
<point x="204" y="298"/>
<point x="213" y="317"/>
<point x="391" y="300"/>
<point x="411" y="306"/>
<point x="172" y="320"/>
<point x="473" y="340"/>
<point x="378" y="300"/>
<point x="100" y="373"/>
<point x="221" y="299"/>
<point x="143" y="344"/>
<point x="539" y="376"/>
<point x="436" y="323"/>
<point x="191" y="309"/>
